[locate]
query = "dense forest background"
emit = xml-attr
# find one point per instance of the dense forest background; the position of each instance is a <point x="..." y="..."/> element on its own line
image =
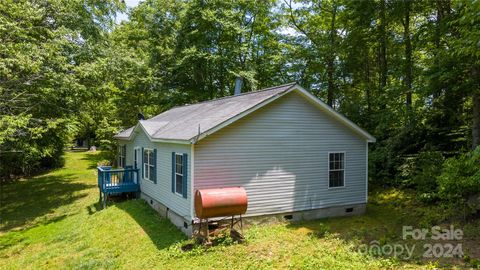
<point x="406" y="71"/>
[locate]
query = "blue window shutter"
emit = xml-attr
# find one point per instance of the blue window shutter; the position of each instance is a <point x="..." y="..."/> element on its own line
<point x="141" y="166"/>
<point x="154" y="166"/>
<point x="124" y="155"/>
<point x="119" y="160"/>
<point x="185" y="175"/>
<point x="135" y="159"/>
<point x="173" y="172"/>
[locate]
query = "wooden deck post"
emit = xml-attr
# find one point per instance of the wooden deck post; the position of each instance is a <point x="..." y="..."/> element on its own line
<point x="116" y="181"/>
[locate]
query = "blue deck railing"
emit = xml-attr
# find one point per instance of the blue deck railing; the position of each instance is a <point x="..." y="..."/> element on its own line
<point x="122" y="180"/>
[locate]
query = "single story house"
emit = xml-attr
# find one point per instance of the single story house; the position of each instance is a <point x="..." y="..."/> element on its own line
<point x="295" y="156"/>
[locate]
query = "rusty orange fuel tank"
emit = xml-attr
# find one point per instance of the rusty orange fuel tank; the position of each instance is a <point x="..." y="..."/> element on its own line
<point x="219" y="202"/>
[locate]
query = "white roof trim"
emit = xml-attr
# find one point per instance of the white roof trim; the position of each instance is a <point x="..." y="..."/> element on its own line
<point x="335" y="114"/>
<point x="306" y="95"/>
<point x="132" y="135"/>
<point x="129" y="137"/>
<point x="238" y="116"/>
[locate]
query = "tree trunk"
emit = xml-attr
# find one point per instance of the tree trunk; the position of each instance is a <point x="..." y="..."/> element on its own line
<point x="331" y="58"/>
<point x="383" y="48"/>
<point x="476" y="120"/>
<point x="442" y="9"/>
<point x="408" y="57"/>
<point x="476" y="110"/>
<point x="437" y="89"/>
<point x="367" y="82"/>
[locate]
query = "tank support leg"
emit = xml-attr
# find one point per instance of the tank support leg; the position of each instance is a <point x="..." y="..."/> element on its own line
<point x="208" y="243"/>
<point x="241" y="224"/>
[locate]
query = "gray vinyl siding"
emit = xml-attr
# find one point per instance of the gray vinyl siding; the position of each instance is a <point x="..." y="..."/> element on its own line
<point x="279" y="154"/>
<point x="162" y="190"/>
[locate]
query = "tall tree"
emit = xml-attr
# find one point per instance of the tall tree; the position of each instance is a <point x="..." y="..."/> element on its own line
<point x="408" y="66"/>
<point x="317" y="22"/>
<point x="330" y="58"/>
<point x="43" y="46"/>
<point x="466" y="49"/>
<point x="382" y="39"/>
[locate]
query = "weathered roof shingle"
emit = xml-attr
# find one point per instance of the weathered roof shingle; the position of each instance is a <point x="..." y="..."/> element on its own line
<point x="187" y="122"/>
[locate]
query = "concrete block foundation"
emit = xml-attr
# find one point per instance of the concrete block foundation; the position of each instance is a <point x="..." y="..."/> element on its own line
<point x="188" y="226"/>
<point x="182" y="224"/>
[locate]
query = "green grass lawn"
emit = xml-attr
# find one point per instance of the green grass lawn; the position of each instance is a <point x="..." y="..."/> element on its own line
<point x="54" y="221"/>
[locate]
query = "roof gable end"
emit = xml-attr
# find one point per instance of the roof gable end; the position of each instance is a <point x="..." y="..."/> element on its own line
<point x="305" y="94"/>
<point x="191" y="123"/>
<point x="336" y="115"/>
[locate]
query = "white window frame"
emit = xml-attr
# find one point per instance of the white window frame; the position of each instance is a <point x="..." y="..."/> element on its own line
<point x="181" y="173"/>
<point x="146" y="162"/>
<point x="122" y="156"/>
<point x="344" y="169"/>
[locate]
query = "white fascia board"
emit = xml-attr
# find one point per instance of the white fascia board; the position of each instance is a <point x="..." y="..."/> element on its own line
<point x="239" y="116"/>
<point x="335" y="114"/>
<point x="162" y="140"/>
<point x="306" y="95"/>
<point x="139" y="124"/>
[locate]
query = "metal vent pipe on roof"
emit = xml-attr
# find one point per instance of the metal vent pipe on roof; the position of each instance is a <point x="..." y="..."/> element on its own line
<point x="238" y="86"/>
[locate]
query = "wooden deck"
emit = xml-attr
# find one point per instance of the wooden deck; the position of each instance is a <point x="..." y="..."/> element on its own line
<point x="117" y="181"/>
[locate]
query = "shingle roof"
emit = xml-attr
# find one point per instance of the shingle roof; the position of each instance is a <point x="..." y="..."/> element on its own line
<point x="187" y="122"/>
<point x="125" y="133"/>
